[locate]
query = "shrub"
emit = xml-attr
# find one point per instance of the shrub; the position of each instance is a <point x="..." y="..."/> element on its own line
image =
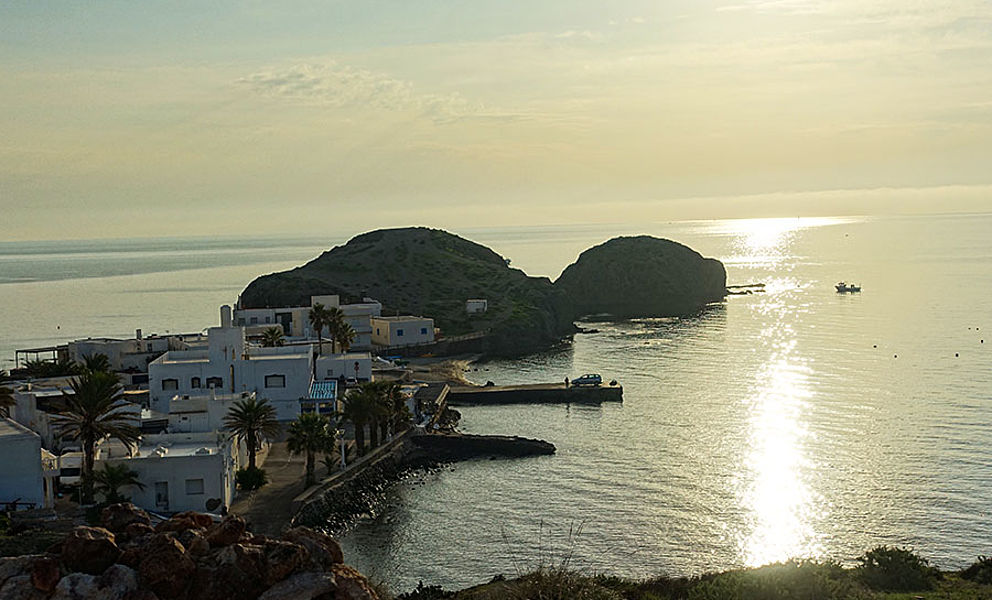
<point x="426" y="592"/>
<point x="896" y="570"/>
<point x="980" y="571"/>
<point x="784" y="581"/>
<point x="251" y="478"/>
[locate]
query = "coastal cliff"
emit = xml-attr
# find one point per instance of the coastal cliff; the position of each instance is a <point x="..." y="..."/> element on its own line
<point x="430" y="272"/>
<point x="642" y="276"/>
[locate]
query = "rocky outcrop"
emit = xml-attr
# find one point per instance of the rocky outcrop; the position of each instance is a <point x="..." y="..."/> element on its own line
<point x="431" y="272"/>
<point x="188" y="558"/>
<point x="428" y="272"/>
<point x="642" y="276"/>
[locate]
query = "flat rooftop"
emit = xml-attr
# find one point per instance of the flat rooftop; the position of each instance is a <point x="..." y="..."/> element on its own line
<point x="10" y="428"/>
<point x="403" y="318"/>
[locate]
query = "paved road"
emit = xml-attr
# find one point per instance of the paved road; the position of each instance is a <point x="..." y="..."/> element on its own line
<point x="268" y="510"/>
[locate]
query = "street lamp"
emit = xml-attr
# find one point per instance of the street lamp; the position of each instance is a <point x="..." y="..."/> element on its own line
<point x="339" y="436"/>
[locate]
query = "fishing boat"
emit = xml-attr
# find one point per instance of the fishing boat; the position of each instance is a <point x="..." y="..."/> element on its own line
<point x="847" y="288"/>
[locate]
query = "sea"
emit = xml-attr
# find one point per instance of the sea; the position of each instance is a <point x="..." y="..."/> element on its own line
<point x="792" y="423"/>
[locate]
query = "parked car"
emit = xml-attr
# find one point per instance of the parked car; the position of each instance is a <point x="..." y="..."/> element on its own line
<point x="588" y="379"/>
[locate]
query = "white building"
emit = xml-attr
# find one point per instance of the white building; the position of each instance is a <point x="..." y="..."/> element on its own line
<point x="203" y="413"/>
<point x="27" y="472"/>
<point x="39" y="402"/>
<point x="282" y="375"/>
<point x="180" y="471"/>
<point x="295" y="320"/>
<point x="131" y="354"/>
<point x="476" y="306"/>
<point x="357" y="365"/>
<point x="402" y="331"/>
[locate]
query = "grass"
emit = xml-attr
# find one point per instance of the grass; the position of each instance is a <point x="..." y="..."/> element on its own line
<point x="882" y="574"/>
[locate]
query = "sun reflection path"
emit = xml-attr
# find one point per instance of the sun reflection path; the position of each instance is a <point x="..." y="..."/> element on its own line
<point x="776" y="493"/>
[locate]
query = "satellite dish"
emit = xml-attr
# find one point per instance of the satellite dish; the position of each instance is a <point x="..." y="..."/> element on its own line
<point x="213" y="504"/>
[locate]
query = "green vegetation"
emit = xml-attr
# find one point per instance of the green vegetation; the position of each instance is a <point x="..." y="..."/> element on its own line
<point x="92" y="412"/>
<point x="96" y="362"/>
<point x="272" y="337"/>
<point x="251" y="420"/>
<point x="7" y="401"/>
<point x="308" y="435"/>
<point x="109" y="480"/>
<point x="320" y="316"/>
<point x="40" y="369"/>
<point x="881" y="574"/>
<point x="250" y="479"/>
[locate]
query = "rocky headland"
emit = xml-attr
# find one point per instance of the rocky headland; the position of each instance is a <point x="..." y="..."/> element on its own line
<point x="432" y="272"/>
<point x="188" y="557"/>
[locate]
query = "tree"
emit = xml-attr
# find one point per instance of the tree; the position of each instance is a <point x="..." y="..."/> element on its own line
<point x="273" y="337"/>
<point x="111" y="478"/>
<point x="40" y="369"/>
<point x="361" y="408"/>
<point x="344" y="336"/>
<point x="7" y="401"/>
<point x="308" y="435"/>
<point x="319" y="318"/>
<point x="335" y="322"/>
<point x="95" y="411"/>
<point x="96" y="362"/>
<point x="250" y="420"/>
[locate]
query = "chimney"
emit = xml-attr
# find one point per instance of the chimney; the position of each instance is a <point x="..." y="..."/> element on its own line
<point x="137" y="334"/>
<point x="225" y="316"/>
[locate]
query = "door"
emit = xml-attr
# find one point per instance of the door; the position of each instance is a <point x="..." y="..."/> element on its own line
<point x="162" y="495"/>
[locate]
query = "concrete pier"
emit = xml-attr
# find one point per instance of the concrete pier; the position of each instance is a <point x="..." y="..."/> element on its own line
<point x="540" y="393"/>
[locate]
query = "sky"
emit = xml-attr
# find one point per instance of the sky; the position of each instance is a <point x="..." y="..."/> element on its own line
<point x="125" y="119"/>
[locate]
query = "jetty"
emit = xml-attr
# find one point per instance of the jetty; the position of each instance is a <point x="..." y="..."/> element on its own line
<point x="537" y="393"/>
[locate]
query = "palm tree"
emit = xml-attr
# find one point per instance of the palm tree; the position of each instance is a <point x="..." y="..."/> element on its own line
<point x="360" y="408"/>
<point x="96" y="362"/>
<point x="94" y="411"/>
<point x="111" y="478"/>
<point x="273" y="337"/>
<point x="319" y="318"/>
<point x="250" y="420"/>
<point x="310" y="434"/>
<point x="7" y="401"/>
<point x="344" y="336"/>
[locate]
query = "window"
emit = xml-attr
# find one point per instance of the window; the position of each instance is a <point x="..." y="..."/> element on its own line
<point x="268" y="319"/>
<point x="275" y="381"/>
<point x="195" y="383"/>
<point x="215" y="382"/>
<point x="194" y="487"/>
<point x="399" y="333"/>
<point x="170" y="384"/>
<point x="241" y="321"/>
<point x="377" y="331"/>
<point x="423" y="331"/>
<point x="254" y="321"/>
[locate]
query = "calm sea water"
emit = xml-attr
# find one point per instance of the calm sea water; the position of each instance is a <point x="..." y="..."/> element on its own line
<point x="795" y="423"/>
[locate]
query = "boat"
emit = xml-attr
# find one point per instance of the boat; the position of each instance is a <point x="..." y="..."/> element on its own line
<point x="847" y="288"/>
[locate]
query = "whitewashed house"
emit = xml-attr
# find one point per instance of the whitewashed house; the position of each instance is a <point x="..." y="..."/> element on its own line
<point x="350" y="365"/>
<point x="27" y="471"/>
<point x="180" y="471"/>
<point x="402" y="331"/>
<point x="132" y="354"/>
<point x="295" y="320"/>
<point x="281" y="375"/>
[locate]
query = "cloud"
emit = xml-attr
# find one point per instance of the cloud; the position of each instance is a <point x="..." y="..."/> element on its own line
<point x="343" y="86"/>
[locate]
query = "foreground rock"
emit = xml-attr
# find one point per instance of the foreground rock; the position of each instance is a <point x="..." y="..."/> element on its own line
<point x="188" y="557"/>
<point x="642" y="276"/>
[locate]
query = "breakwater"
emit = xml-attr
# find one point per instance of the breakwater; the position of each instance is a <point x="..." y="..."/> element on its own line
<point x="333" y="503"/>
<point x="541" y="393"/>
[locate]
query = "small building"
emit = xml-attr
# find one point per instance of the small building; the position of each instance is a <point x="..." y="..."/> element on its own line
<point x="295" y="320"/>
<point x="180" y="471"/>
<point x="402" y="331"/>
<point x="132" y="355"/>
<point x="476" y="306"/>
<point x="27" y="471"/>
<point x="322" y="399"/>
<point x="351" y="365"/>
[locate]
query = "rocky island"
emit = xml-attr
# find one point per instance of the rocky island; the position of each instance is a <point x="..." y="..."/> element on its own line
<point x="431" y="272"/>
